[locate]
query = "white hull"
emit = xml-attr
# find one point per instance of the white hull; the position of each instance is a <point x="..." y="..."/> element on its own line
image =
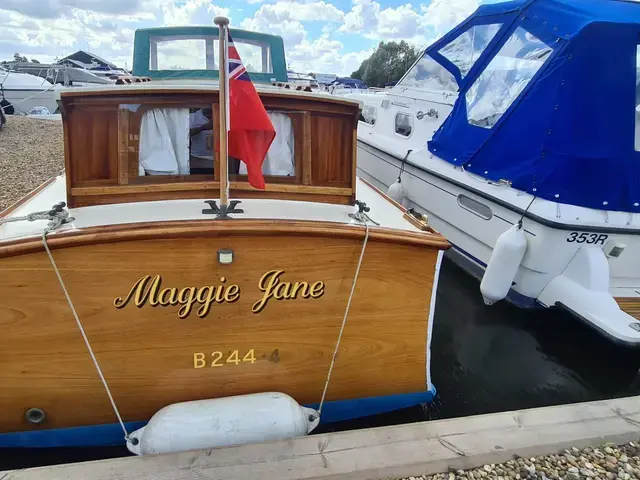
<point x="23" y="100"/>
<point x="447" y="194"/>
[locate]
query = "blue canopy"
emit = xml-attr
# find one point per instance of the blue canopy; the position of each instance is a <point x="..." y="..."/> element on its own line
<point x="550" y="100"/>
<point x="350" y="82"/>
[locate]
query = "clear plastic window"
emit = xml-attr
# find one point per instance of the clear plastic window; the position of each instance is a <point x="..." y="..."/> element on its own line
<point x="403" y="124"/>
<point x="180" y="54"/>
<point x="465" y="49"/>
<point x="201" y="53"/>
<point x="369" y="114"/>
<point x="638" y="98"/>
<point x="430" y="75"/>
<point x="505" y="77"/>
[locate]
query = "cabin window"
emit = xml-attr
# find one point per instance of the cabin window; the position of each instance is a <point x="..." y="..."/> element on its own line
<point x="369" y="114"/>
<point x="256" y="56"/>
<point x="404" y="124"/>
<point x="638" y="98"/>
<point x="201" y="53"/>
<point x="465" y="49"/>
<point x="280" y="159"/>
<point x="181" y="141"/>
<point x="506" y="76"/>
<point x="430" y="75"/>
<point x="175" y="53"/>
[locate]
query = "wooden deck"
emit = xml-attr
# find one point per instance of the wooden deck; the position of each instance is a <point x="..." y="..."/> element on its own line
<point x="387" y="452"/>
<point x="630" y="305"/>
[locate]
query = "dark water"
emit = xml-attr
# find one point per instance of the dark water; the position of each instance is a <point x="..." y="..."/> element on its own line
<point x="484" y="360"/>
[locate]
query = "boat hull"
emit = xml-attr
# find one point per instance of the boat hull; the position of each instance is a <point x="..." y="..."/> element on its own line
<point x="24" y="99"/>
<point x="255" y="335"/>
<point x="459" y="213"/>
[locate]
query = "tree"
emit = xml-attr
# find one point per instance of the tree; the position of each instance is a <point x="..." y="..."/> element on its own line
<point x="387" y="64"/>
<point x="18" y="58"/>
<point x="33" y="60"/>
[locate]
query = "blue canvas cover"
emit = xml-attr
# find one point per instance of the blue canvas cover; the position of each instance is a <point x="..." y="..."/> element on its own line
<point x="570" y="134"/>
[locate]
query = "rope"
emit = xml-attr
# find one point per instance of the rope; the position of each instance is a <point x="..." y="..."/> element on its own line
<point x="84" y="336"/>
<point x="344" y="320"/>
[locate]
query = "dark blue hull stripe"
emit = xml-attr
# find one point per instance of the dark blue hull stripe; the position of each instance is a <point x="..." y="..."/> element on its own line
<point x="111" y="434"/>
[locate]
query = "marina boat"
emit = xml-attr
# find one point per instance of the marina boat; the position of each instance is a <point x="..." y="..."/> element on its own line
<point x="20" y="92"/>
<point x="150" y="293"/>
<point x="518" y="133"/>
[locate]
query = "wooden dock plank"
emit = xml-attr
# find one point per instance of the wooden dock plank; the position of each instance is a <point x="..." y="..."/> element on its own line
<point x="397" y="451"/>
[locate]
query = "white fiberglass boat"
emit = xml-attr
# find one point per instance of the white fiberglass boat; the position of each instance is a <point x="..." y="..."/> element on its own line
<point x="518" y="132"/>
<point x="20" y="92"/>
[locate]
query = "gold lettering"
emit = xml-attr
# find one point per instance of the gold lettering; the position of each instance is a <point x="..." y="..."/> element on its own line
<point x="198" y="360"/>
<point x="282" y="291"/>
<point x="232" y="294"/>
<point x="187" y="298"/>
<point x="297" y="286"/>
<point x="206" y="296"/>
<point x="266" y="284"/>
<point x="171" y="298"/>
<point x="317" y="289"/>
<point x="139" y="291"/>
<point x="152" y="293"/>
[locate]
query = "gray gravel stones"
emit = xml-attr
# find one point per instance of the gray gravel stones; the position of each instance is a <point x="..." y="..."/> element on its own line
<point x="607" y="462"/>
<point x="31" y="152"/>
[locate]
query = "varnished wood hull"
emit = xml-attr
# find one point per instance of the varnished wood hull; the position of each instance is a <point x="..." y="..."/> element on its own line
<point x="152" y="358"/>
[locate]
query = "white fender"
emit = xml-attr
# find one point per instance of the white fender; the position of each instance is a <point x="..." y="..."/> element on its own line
<point x="223" y="422"/>
<point x="396" y="191"/>
<point x="502" y="267"/>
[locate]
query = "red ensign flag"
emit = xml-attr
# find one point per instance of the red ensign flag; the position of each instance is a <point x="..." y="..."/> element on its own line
<point x="250" y="131"/>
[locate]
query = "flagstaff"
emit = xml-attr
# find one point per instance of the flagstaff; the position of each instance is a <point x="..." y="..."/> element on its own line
<point x="223" y="68"/>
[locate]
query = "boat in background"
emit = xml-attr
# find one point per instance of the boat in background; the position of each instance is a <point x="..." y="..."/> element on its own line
<point x="318" y="284"/>
<point x="518" y="133"/>
<point x="21" y="92"/>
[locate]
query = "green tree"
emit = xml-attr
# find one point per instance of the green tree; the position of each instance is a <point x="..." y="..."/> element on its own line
<point x="388" y="63"/>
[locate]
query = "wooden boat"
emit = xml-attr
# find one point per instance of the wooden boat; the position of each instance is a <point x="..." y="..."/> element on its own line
<point x="179" y="305"/>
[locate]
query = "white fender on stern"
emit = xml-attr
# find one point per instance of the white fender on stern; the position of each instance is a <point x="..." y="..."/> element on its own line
<point x="223" y="422"/>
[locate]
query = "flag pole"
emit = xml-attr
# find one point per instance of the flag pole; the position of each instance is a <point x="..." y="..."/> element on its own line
<point x="223" y="102"/>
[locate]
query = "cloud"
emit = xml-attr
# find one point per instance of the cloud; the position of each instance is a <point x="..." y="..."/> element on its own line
<point x="58" y="8"/>
<point x="421" y="26"/>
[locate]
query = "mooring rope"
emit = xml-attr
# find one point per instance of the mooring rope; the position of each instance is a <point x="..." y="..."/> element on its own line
<point x="57" y="217"/>
<point x="84" y="335"/>
<point x="363" y="219"/>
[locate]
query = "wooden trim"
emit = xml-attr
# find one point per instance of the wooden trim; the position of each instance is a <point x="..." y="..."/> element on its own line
<point x="198" y="228"/>
<point x="383" y="195"/>
<point x="420" y="225"/>
<point x="191" y="186"/>
<point x="149" y="89"/>
<point x="354" y="156"/>
<point x="293" y="188"/>
<point x="630" y="305"/>
<point x="27" y="197"/>
<point x="67" y="155"/>
<point x="306" y="149"/>
<point x="123" y="146"/>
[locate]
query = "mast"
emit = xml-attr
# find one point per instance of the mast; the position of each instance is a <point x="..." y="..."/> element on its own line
<point x="223" y="68"/>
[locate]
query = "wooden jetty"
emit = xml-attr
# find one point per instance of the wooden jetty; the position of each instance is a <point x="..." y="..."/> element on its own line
<point x="384" y="452"/>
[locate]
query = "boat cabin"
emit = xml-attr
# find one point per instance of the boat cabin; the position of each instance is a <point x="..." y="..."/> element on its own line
<point x="545" y="97"/>
<point x="156" y="140"/>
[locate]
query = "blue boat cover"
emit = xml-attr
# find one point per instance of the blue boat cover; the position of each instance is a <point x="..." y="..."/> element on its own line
<point x="567" y="131"/>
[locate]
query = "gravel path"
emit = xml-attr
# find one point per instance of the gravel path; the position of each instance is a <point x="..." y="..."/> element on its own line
<point x="31" y="152"/>
<point x="605" y="463"/>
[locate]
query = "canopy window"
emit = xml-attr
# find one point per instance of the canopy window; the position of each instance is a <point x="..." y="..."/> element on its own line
<point x="506" y="76"/>
<point x="443" y="69"/>
<point x="552" y="104"/>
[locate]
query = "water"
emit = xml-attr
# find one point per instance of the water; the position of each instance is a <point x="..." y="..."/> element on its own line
<point x="484" y="360"/>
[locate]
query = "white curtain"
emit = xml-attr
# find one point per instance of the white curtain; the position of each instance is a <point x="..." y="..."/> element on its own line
<point x="164" y="142"/>
<point x="280" y="157"/>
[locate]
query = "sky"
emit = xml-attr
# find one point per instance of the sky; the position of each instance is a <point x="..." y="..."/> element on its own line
<point x="320" y="36"/>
